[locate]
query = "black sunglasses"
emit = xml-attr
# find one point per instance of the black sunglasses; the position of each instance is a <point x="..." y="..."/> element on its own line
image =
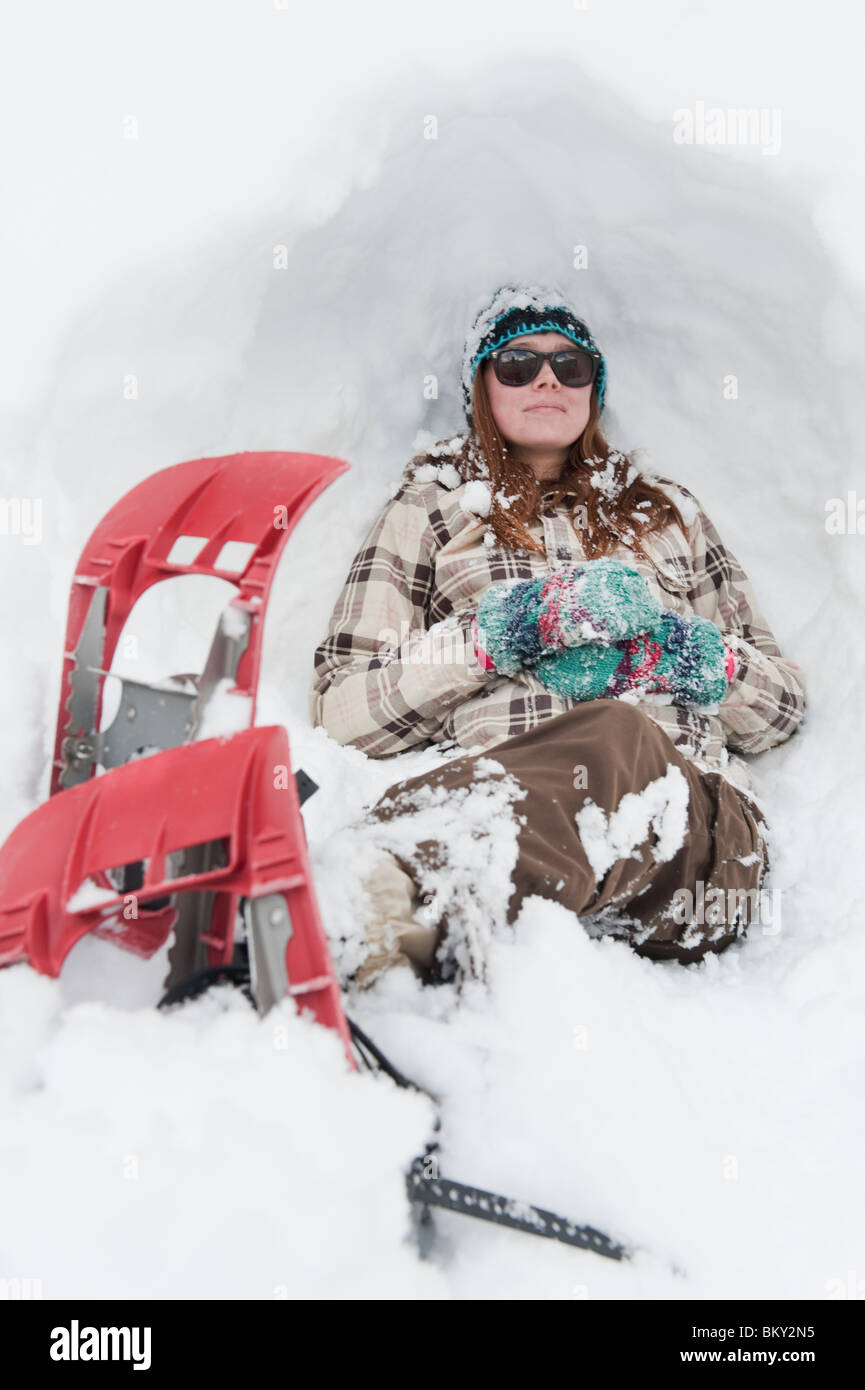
<point x="519" y="366"/>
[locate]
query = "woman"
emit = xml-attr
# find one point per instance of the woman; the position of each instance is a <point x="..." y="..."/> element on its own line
<point x="527" y="590"/>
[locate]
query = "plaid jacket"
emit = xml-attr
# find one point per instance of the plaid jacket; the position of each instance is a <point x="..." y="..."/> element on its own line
<point x="397" y="665"/>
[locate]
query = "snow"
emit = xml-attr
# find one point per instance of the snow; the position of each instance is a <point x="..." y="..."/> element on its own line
<point x="709" y="1113"/>
<point x="662" y="806"/>
<point x="478" y="827"/>
<point x="89" y="895"/>
<point x="428" y="444"/>
<point x="224" y="712"/>
<point x="606" y="480"/>
<point x="446" y="474"/>
<point x="234" y="622"/>
<point x="477" y="498"/>
<point x="169" y="1122"/>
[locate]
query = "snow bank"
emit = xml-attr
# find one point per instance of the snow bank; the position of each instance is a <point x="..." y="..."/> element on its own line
<point x="205" y="1153"/>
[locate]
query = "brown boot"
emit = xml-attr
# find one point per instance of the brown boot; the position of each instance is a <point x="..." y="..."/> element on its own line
<point x="400" y="930"/>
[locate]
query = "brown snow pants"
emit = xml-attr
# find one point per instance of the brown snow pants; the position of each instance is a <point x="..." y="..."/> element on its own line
<point x="620" y="749"/>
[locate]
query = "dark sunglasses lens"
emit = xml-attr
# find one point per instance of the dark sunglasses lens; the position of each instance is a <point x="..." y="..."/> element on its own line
<point x="516" y="367"/>
<point x="519" y="366"/>
<point x="574" y="368"/>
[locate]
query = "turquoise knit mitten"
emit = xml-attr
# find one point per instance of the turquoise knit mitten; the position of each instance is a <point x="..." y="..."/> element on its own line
<point x="685" y="657"/>
<point x="597" y="601"/>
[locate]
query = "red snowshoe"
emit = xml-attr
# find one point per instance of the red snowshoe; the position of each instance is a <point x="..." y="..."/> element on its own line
<point x="190" y="838"/>
<point x="151" y="829"/>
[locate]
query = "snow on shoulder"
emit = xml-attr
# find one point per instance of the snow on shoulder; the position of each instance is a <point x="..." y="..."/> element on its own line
<point x="463" y="466"/>
<point x="436" y="461"/>
<point x="616" y="476"/>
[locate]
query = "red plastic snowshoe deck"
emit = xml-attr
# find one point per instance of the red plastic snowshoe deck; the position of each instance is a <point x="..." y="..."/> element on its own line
<point x="237" y="791"/>
<point x="252" y="498"/>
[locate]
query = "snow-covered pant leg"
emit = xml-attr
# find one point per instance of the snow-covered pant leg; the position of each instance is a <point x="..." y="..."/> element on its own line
<point x="631" y="864"/>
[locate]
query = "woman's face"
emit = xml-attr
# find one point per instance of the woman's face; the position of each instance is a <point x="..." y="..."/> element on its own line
<point x="544" y="414"/>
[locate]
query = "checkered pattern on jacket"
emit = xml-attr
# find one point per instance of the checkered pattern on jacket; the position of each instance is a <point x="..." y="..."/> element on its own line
<point x="396" y="667"/>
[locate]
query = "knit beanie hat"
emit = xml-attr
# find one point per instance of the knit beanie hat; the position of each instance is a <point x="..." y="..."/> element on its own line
<point x="517" y="309"/>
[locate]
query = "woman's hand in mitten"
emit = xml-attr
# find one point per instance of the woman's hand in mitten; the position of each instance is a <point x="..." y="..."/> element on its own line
<point x="598" y="601"/>
<point x="685" y="657"/>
